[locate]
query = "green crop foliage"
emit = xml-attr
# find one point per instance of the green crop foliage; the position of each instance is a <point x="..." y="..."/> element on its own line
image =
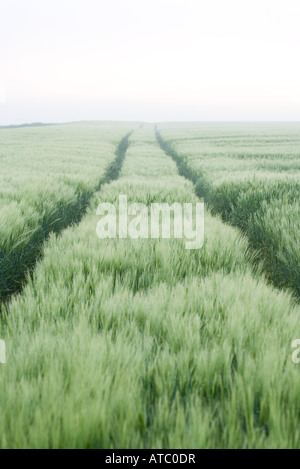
<point x="250" y="175"/>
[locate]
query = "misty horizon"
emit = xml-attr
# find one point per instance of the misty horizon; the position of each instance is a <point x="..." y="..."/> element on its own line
<point x="159" y="61"/>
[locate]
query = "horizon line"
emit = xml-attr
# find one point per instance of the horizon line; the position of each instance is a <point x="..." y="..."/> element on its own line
<point x="45" y="124"/>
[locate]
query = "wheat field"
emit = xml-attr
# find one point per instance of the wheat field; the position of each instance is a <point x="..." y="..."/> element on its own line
<point x="135" y="343"/>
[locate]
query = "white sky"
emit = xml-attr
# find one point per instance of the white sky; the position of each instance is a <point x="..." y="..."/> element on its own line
<point x="149" y="60"/>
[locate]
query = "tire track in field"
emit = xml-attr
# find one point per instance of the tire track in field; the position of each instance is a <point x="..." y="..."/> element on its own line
<point x="32" y="251"/>
<point x="183" y="168"/>
<point x="113" y="170"/>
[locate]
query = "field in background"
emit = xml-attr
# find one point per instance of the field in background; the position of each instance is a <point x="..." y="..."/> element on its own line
<point x="141" y="343"/>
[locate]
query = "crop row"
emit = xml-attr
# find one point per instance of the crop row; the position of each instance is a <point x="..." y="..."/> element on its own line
<point x="48" y="176"/>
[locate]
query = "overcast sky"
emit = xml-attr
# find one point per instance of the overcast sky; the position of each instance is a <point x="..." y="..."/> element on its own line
<point x="151" y="60"/>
